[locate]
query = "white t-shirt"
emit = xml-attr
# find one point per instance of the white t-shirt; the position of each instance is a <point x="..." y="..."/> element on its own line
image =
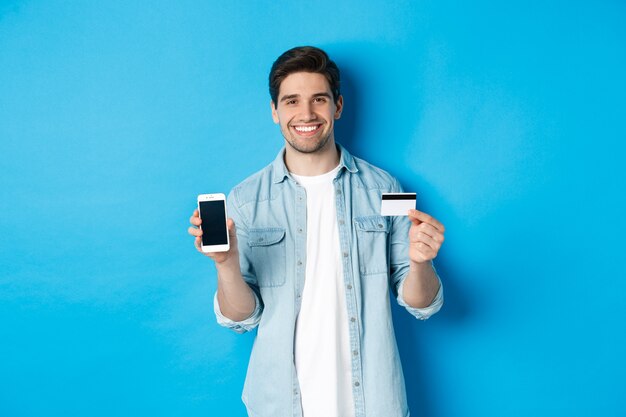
<point x="322" y="338"/>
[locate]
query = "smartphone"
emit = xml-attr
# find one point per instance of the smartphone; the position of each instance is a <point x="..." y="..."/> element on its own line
<point x="212" y="208"/>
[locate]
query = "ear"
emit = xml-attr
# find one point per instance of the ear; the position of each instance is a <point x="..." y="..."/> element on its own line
<point x="339" y="106"/>
<point x="274" y="112"/>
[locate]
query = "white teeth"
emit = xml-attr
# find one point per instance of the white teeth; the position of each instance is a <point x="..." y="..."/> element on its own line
<point x="305" y="128"/>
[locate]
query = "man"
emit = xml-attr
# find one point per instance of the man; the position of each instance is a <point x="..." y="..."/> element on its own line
<point x="312" y="260"/>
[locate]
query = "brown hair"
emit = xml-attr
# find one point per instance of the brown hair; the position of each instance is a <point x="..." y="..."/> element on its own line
<point x="303" y="59"/>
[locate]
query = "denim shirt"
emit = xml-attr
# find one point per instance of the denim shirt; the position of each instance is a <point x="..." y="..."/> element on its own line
<point x="269" y="210"/>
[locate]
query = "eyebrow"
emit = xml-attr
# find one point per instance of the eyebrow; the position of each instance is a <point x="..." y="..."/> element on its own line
<point x="290" y="96"/>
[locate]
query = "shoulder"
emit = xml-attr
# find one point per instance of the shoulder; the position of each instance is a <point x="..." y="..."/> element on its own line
<point x="373" y="177"/>
<point x="257" y="187"/>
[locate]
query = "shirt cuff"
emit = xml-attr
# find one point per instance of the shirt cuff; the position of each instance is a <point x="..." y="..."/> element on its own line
<point x="426" y="312"/>
<point x="238" y="326"/>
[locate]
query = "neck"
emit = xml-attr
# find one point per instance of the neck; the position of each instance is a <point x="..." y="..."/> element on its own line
<point x="311" y="164"/>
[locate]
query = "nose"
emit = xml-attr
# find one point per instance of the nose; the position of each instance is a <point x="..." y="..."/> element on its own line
<point x="307" y="113"/>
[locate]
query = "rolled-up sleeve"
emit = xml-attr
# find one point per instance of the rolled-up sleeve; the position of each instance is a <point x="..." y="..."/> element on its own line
<point x="238" y="326"/>
<point x="426" y="312"/>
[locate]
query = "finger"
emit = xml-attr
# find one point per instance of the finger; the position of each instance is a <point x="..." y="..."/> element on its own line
<point x="230" y="223"/>
<point x="421" y="237"/>
<point x="232" y="229"/>
<point x="418" y="217"/>
<point x="198" y="243"/>
<point x="424" y="249"/>
<point x="195" y="218"/>
<point x="422" y="254"/>
<point x="430" y="231"/>
<point x="194" y="231"/>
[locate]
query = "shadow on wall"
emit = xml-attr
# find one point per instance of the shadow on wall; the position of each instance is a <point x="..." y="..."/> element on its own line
<point x="9" y="7"/>
<point x="412" y="337"/>
<point x="346" y="130"/>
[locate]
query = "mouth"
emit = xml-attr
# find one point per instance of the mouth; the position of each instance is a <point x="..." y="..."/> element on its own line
<point x="307" y="130"/>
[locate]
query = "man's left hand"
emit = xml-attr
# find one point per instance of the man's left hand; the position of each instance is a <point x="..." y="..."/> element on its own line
<point x="425" y="237"/>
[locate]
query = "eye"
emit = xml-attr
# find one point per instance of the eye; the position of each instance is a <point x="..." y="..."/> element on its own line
<point x="290" y="102"/>
<point x="320" y="99"/>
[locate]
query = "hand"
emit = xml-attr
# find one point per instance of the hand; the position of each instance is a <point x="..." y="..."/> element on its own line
<point x="425" y="237"/>
<point x="218" y="257"/>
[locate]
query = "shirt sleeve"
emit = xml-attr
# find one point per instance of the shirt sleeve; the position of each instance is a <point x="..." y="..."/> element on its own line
<point x="246" y="272"/>
<point x="238" y="326"/>
<point x="425" y="312"/>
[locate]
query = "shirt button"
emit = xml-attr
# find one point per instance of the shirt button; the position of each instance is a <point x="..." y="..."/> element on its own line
<point x="349" y="286"/>
<point x="345" y="254"/>
<point x="356" y="384"/>
<point x="352" y="319"/>
<point x="295" y="392"/>
<point x="340" y="221"/>
<point x="355" y="353"/>
<point x="298" y="295"/>
<point x="338" y="191"/>
<point x="300" y="230"/>
<point x="380" y="226"/>
<point x="299" y="263"/>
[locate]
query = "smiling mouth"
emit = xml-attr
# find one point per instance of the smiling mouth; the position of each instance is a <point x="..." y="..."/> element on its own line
<point x="309" y="130"/>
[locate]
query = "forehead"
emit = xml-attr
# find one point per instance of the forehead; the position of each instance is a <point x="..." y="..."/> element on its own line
<point x="304" y="83"/>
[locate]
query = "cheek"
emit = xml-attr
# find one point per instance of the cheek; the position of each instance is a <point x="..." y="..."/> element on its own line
<point x="283" y="118"/>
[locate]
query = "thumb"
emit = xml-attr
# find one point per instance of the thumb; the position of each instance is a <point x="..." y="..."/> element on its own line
<point x="232" y="231"/>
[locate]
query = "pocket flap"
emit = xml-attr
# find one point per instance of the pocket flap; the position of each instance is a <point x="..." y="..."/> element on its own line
<point x="372" y="224"/>
<point x="265" y="237"/>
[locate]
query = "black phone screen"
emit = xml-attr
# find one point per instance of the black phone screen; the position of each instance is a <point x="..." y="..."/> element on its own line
<point x="213" y="215"/>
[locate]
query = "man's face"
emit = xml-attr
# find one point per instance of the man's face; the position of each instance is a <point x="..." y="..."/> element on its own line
<point x="306" y="111"/>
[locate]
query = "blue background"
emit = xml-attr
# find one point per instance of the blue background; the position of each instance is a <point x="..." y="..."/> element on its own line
<point x="508" y="120"/>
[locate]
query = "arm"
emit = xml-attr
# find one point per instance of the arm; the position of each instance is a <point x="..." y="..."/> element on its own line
<point x="236" y="300"/>
<point x="422" y="284"/>
<point x="414" y="280"/>
<point x="416" y="285"/>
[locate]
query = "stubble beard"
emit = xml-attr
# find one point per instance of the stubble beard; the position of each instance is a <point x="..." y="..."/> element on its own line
<point x="302" y="147"/>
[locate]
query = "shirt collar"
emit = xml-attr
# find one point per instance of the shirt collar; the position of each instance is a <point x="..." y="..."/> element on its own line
<point x="280" y="172"/>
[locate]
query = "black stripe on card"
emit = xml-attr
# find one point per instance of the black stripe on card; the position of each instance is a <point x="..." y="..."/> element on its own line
<point x="403" y="196"/>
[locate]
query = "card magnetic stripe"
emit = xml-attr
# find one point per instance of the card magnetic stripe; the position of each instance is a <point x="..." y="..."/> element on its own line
<point x="409" y="196"/>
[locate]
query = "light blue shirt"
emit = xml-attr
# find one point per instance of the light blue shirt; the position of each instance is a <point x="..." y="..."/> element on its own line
<point x="269" y="210"/>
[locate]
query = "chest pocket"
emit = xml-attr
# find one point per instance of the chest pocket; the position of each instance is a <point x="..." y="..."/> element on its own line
<point x="372" y="240"/>
<point x="267" y="252"/>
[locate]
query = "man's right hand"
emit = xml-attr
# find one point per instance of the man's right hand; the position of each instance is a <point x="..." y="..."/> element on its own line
<point x="219" y="257"/>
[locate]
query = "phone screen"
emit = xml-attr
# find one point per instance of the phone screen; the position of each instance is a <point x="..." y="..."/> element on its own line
<point x="213" y="215"/>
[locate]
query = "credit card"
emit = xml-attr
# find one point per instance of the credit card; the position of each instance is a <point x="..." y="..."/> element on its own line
<point x="397" y="204"/>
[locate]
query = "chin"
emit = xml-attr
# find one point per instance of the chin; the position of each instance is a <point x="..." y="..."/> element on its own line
<point x="304" y="146"/>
